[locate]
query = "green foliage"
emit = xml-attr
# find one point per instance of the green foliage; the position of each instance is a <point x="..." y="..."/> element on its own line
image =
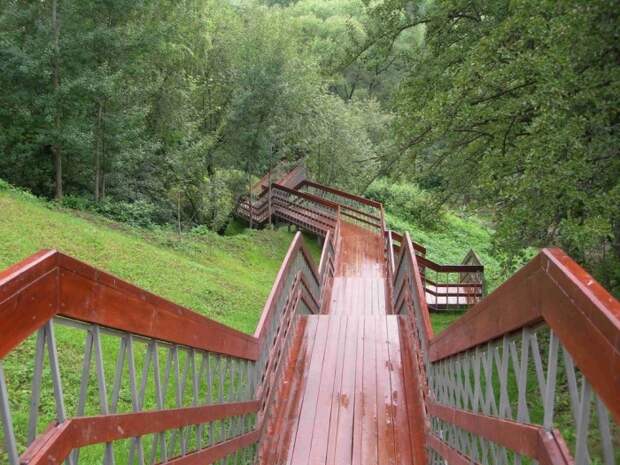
<point x="449" y="241"/>
<point x="226" y="278"/>
<point x="159" y="101"/>
<point x="139" y="213"/>
<point x="408" y="202"/>
<point x="514" y="107"/>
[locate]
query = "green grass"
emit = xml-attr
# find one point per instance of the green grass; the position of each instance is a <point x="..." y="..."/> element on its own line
<point x="223" y="277"/>
<point x="441" y="320"/>
<point x="450" y="241"/>
<point x="226" y="278"/>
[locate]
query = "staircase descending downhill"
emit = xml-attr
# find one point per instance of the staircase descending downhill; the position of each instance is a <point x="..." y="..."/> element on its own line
<point x="343" y="367"/>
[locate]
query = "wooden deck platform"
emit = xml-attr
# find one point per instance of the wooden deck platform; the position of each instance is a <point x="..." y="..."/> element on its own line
<point x="345" y="401"/>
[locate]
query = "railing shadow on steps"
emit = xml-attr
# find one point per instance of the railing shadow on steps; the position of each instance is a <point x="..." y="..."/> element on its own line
<point x="529" y="374"/>
<point x="179" y="388"/>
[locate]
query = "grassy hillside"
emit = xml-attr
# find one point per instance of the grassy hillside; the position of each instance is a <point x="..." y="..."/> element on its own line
<point x="226" y="278"/>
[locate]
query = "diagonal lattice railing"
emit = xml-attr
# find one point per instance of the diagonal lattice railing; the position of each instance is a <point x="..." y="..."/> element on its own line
<point x="115" y="376"/>
<point x="528" y="375"/>
<point x="95" y="370"/>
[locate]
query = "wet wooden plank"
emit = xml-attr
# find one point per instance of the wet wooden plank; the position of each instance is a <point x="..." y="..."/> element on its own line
<point x="341" y="434"/>
<point x="320" y="434"/>
<point x="385" y="409"/>
<point x="368" y="392"/>
<point x="358" y="407"/>
<point x="303" y="438"/>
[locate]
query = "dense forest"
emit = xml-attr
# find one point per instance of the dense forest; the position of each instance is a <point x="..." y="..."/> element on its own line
<point x="164" y="112"/>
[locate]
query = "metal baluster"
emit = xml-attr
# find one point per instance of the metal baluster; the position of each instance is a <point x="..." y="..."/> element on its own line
<point x="135" y="404"/>
<point x="103" y="393"/>
<point x="161" y="437"/>
<point x="201" y="373"/>
<point x="211" y="393"/>
<point x="7" y="422"/>
<point x="583" y="424"/>
<point x="141" y="393"/>
<point x="36" y="385"/>
<point x="88" y="347"/>
<point x="604" y="428"/>
<point x="552" y="367"/>
<point x="52" y="353"/>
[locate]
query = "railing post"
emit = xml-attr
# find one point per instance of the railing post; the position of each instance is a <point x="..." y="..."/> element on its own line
<point x="7" y="422"/>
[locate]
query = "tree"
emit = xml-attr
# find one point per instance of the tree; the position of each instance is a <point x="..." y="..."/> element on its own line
<point x="515" y="105"/>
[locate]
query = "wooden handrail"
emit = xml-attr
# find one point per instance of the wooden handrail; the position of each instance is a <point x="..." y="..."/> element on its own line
<point x="347" y="195"/>
<point x="51" y="283"/>
<point x="55" y="445"/>
<point x="427" y="263"/>
<point x="296" y="247"/>
<point x="553" y="288"/>
<point x="305" y="195"/>
<point x="417" y="247"/>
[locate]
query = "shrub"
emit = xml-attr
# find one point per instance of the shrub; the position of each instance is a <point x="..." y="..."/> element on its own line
<point x="4" y="186"/>
<point x="407" y="201"/>
<point x="77" y="202"/>
<point x="138" y="213"/>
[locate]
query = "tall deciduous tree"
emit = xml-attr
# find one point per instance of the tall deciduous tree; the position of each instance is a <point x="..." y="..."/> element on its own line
<point x="515" y="104"/>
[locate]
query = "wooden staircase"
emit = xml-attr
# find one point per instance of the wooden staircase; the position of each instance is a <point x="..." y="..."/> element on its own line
<point x="343" y="368"/>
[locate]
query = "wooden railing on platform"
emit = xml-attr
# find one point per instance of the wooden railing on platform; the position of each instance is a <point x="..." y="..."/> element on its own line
<point x="308" y="212"/>
<point x="532" y="372"/>
<point x="353" y="208"/>
<point x="446" y="286"/>
<point x="182" y="389"/>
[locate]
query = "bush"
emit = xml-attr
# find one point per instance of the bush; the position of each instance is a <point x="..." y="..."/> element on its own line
<point x="76" y="202"/>
<point x="4" y="186"/>
<point x="407" y="201"/>
<point x="138" y="213"/>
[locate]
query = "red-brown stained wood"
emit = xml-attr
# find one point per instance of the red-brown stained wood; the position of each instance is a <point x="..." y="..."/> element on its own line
<point x="386" y="439"/>
<point x="94" y="301"/>
<point x="341" y="433"/>
<point x="351" y="388"/>
<point x="56" y="444"/>
<point x="451" y="455"/>
<point x="28" y="310"/>
<point x="414" y="401"/>
<point x="320" y="432"/>
<point x="402" y="440"/>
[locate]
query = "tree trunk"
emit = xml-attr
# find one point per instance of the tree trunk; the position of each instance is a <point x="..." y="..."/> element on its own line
<point x="56" y="149"/>
<point x="98" y="155"/>
<point x="179" y="211"/>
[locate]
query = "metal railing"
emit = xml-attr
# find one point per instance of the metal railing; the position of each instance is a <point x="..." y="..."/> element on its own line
<point x="95" y="370"/>
<point x="87" y="359"/>
<point x="528" y="375"/>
